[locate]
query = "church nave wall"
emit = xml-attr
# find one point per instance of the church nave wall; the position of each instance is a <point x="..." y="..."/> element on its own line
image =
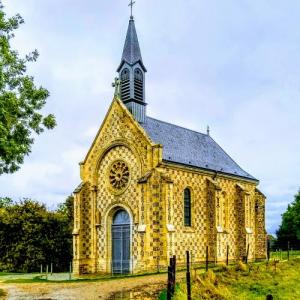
<point x="222" y="214"/>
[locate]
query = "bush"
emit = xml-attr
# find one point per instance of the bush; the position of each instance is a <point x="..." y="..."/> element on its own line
<point x="223" y="267"/>
<point x="2" y="293"/>
<point x="31" y="235"/>
<point x="241" y="267"/>
<point x="211" y="277"/>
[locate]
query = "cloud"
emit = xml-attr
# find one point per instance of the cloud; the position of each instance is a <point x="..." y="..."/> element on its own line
<point x="231" y="65"/>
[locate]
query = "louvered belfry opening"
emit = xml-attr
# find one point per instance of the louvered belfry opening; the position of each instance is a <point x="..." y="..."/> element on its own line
<point x="138" y="85"/>
<point x="125" y="85"/>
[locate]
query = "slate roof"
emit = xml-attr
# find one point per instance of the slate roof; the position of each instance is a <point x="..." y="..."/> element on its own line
<point x="188" y="147"/>
<point x="131" y="52"/>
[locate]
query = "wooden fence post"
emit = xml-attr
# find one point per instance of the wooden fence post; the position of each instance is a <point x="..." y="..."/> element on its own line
<point x="174" y="273"/>
<point x="172" y="289"/>
<point x="227" y="256"/>
<point x="188" y="276"/>
<point x="171" y="278"/>
<point x="169" y="283"/>
<point x="47" y="272"/>
<point x="288" y="250"/>
<point x="70" y="271"/>
<point x="206" y="258"/>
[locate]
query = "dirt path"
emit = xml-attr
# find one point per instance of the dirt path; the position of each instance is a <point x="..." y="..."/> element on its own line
<point x="86" y="290"/>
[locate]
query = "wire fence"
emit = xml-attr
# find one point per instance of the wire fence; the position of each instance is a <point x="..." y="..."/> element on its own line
<point x="273" y="257"/>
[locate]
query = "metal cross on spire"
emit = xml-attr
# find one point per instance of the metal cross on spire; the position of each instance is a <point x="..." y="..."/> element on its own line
<point x="131" y="6"/>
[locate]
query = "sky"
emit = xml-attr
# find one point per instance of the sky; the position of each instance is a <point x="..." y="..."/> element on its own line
<point x="233" y="65"/>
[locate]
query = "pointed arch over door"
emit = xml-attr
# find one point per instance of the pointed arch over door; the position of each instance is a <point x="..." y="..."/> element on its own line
<point x="121" y="242"/>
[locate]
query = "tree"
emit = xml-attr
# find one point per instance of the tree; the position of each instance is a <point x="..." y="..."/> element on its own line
<point x="289" y="230"/>
<point x="31" y="235"/>
<point x="5" y="202"/>
<point x="272" y="240"/>
<point x="67" y="209"/>
<point x="20" y="100"/>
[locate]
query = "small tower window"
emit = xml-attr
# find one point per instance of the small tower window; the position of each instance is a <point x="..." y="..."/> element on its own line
<point x="125" y="74"/>
<point x="187" y="208"/>
<point x="125" y="85"/>
<point x="138" y="75"/>
<point x="138" y="85"/>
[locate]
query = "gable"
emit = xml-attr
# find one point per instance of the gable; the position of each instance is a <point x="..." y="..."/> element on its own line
<point x="118" y="129"/>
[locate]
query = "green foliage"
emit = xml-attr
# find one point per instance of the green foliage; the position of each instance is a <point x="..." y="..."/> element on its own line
<point x="289" y="230"/>
<point x="241" y="267"/>
<point x="67" y="209"/>
<point x="222" y="267"/>
<point x="5" y="202"/>
<point x="31" y="235"/>
<point x="20" y="100"/>
<point x="272" y="241"/>
<point x="284" y="283"/>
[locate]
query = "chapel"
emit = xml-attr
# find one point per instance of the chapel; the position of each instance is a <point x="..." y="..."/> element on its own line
<point x="151" y="189"/>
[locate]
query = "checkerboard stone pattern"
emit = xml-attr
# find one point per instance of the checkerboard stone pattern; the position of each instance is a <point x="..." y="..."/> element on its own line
<point x="106" y="201"/>
<point x="203" y="231"/>
<point x="225" y="210"/>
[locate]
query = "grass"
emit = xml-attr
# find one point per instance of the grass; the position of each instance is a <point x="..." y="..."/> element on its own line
<point x="282" y="255"/>
<point x="2" y="293"/>
<point x="36" y="277"/>
<point x="255" y="281"/>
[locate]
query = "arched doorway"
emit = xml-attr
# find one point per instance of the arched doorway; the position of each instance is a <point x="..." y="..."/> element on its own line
<point x="121" y="242"/>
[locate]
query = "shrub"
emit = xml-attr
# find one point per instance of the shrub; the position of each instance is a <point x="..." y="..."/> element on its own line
<point x="2" y="293"/>
<point x="210" y="276"/>
<point x="223" y="267"/>
<point x="241" y="267"/>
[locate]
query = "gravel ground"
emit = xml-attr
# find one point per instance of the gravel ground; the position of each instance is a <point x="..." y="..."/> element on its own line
<point x="138" y="288"/>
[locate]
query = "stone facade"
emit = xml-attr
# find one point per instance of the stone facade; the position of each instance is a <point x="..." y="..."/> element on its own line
<point x="124" y="169"/>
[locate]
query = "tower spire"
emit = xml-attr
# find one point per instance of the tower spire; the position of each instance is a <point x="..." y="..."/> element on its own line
<point x="131" y="51"/>
<point x="132" y="73"/>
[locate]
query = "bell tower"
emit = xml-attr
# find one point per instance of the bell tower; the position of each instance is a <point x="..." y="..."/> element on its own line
<point x="132" y="75"/>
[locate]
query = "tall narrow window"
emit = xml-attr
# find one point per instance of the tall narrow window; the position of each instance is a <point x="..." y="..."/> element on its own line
<point x="187" y="208"/>
<point x="138" y="85"/>
<point x="125" y="85"/>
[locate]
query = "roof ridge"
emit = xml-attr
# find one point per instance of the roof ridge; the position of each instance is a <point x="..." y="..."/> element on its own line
<point x="192" y="130"/>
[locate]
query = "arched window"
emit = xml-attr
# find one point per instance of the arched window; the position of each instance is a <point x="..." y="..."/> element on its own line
<point x="138" y="75"/>
<point x="121" y="217"/>
<point x="187" y="208"/>
<point x="138" y="85"/>
<point x="125" y="85"/>
<point x="125" y="74"/>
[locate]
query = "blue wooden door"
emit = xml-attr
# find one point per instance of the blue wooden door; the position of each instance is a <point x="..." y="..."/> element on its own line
<point x="121" y="243"/>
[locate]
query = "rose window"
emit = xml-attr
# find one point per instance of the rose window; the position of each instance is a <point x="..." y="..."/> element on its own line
<point x="119" y="175"/>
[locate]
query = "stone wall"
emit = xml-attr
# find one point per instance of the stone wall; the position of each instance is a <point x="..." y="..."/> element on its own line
<point x="222" y="214"/>
<point x="226" y="210"/>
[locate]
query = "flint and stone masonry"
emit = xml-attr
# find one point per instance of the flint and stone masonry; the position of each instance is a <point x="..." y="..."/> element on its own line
<point x="150" y="189"/>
